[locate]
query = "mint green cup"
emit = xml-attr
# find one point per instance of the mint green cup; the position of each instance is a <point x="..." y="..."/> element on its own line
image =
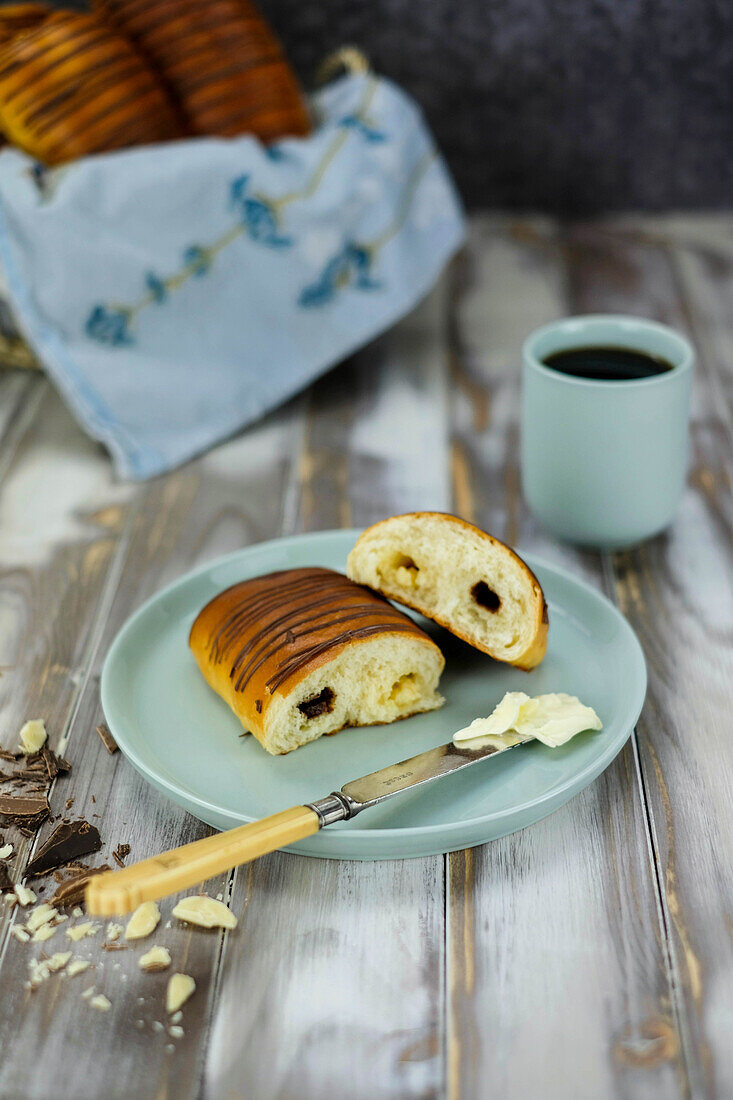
<point x="604" y="462"/>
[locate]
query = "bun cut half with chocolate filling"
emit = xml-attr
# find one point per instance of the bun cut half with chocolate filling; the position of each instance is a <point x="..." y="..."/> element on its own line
<point x="459" y="576"/>
<point x="305" y="652"/>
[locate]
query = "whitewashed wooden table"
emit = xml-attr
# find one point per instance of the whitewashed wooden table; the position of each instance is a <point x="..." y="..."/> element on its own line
<point x="588" y="956"/>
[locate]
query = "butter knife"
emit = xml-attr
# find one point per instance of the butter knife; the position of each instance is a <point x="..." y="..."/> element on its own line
<point x="116" y="892"/>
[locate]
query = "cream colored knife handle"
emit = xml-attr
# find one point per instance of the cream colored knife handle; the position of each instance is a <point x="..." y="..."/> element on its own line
<point x="122" y="891"/>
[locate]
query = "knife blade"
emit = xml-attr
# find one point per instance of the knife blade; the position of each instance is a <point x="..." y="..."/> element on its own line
<point x="416" y="771"/>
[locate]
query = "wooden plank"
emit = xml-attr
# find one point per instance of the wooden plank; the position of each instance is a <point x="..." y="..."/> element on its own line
<point x="221" y="502"/>
<point x="558" y="977"/>
<point x="53" y="563"/>
<point x="677" y="592"/>
<point x="339" y="985"/>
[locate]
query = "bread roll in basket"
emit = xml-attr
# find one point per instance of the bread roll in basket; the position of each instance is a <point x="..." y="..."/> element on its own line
<point x="222" y="63"/>
<point x="70" y="86"/>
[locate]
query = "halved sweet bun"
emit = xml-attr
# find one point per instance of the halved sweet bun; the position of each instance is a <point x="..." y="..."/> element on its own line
<point x="461" y="577"/>
<point x="305" y="652"/>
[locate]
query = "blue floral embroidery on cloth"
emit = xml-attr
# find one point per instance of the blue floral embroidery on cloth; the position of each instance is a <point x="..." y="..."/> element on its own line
<point x="276" y="154"/>
<point x="259" y="219"/>
<point x="198" y="259"/>
<point x="258" y="216"/>
<point x="156" y="287"/>
<point x="349" y="267"/>
<point x="361" y="126"/>
<point x="109" y="325"/>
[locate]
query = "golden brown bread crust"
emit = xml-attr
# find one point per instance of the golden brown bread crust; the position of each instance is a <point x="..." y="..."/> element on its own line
<point x="532" y="656"/>
<point x="261" y="637"/>
<point x="20" y="17"/>
<point x="71" y="86"/>
<point x="221" y="61"/>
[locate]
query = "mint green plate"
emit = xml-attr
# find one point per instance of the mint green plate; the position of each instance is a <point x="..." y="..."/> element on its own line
<point x="185" y="741"/>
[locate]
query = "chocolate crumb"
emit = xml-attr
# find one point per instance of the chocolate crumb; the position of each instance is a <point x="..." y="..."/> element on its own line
<point x="6" y="755"/>
<point x="93" y="799"/>
<point x="114" y="946"/>
<point x="67" y="842"/>
<point x="289" y="637"/>
<point x="120" y="854"/>
<point x="69" y="803"/>
<point x="106" y="738"/>
<point x="258" y="706"/>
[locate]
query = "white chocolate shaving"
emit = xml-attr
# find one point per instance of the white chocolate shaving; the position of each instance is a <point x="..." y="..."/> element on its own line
<point x="143" y="921"/>
<point x="59" y="960"/>
<point x="204" y="911"/>
<point x="79" y="931"/>
<point x="180" y="988"/>
<point x="43" y="933"/>
<point x="33" y="735"/>
<point x="77" y="967"/>
<point x="42" y="914"/>
<point x="157" y="958"/>
<point x="24" y="894"/>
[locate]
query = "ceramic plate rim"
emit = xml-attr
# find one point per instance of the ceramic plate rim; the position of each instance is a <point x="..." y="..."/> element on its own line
<point x="635" y="693"/>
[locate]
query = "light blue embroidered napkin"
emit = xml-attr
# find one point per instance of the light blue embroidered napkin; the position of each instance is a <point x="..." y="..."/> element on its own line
<point x="176" y="293"/>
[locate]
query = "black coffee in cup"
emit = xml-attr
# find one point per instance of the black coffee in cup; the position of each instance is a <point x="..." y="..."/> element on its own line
<point x="607" y="364"/>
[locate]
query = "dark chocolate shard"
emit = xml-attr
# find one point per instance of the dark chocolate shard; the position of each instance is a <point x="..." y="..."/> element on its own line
<point x="47" y="760"/>
<point x="68" y="841"/>
<point x="71" y="890"/>
<point x="5" y="883"/>
<point x="106" y="738"/>
<point x="27" y="811"/>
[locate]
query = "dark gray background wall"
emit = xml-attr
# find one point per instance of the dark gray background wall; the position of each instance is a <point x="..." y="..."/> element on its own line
<point x="570" y="106"/>
<point x="559" y="105"/>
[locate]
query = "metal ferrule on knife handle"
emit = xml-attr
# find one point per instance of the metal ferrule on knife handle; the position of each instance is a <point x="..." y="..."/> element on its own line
<point x="334" y="807"/>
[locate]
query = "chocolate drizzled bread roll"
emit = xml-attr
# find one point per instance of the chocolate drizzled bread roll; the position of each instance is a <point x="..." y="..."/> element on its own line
<point x="304" y="652"/>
